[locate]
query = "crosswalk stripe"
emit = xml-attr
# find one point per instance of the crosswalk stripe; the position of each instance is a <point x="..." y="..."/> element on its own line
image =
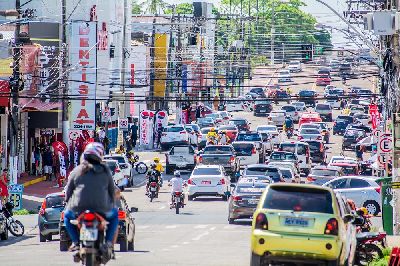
<point x="201" y="226"/>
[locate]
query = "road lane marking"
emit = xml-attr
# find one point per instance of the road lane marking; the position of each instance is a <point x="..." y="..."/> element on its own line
<point x="201" y="226"/>
<point x="162" y="207"/>
<point x="185" y="243"/>
<point x="174" y="246"/>
<point x="142" y="226"/>
<point x="171" y="226"/>
<point x="200" y="236"/>
<point x="212" y="228"/>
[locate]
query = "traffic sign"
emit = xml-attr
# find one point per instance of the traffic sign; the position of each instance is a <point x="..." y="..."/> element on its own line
<point x="385" y="143"/>
<point x="123" y="123"/>
<point x="396" y="185"/>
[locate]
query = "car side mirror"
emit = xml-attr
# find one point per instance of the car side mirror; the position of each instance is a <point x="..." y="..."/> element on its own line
<point x="348" y="218"/>
<point x="39" y="207"/>
<point x="232" y="185"/>
<point x="134" y="209"/>
<point x="300" y="161"/>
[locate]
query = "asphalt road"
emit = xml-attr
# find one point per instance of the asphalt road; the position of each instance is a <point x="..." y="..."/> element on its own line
<point x="200" y="235"/>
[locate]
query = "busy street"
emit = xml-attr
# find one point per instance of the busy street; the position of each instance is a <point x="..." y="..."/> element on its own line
<point x="204" y="133"/>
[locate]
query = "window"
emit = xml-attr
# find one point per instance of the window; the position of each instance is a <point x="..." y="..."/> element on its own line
<point x="323" y="107"/>
<point x="358" y="183"/>
<point x="112" y="166"/>
<point x="206" y="171"/>
<point x="301" y="149"/>
<point x="243" y="149"/>
<point x="288" y="147"/>
<point x="324" y="172"/>
<point x="299" y="199"/>
<point x="174" y="129"/>
<point x="289" y="108"/>
<point x="256" y="171"/>
<point x="338" y="184"/>
<point x="217" y="150"/>
<point x="248" y="137"/>
<point x="55" y="201"/>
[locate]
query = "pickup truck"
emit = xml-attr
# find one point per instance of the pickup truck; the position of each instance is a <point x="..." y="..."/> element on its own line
<point x="180" y="157"/>
<point x="223" y="155"/>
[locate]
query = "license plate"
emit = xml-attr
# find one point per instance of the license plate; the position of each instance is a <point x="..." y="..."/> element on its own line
<point x="253" y="201"/>
<point x="206" y="182"/>
<point x="180" y="165"/>
<point x="263" y="111"/>
<point x="88" y="234"/>
<point x="153" y="189"/>
<point x="291" y="221"/>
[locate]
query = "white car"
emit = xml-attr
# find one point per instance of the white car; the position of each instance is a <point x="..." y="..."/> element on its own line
<point x="295" y="66"/>
<point x="234" y="106"/>
<point x="339" y="158"/>
<point x="277" y="118"/>
<point x="247" y="153"/>
<point x="118" y="176"/>
<point x="363" y="118"/>
<point x="300" y="106"/>
<point x="334" y="102"/>
<point x="208" y="180"/>
<point x="284" y="76"/>
<point x="309" y="134"/>
<point x="225" y="116"/>
<point x="174" y="135"/>
<point x="124" y="166"/>
<point x="302" y="150"/>
<point x="272" y="131"/>
<point x="364" y="191"/>
<point x="218" y="119"/>
<point x="291" y="111"/>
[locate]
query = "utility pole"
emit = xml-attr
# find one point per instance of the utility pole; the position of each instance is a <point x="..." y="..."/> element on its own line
<point x="273" y="34"/>
<point x="170" y="82"/>
<point x="15" y="86"/>
<point x="152" y="70"/>
<point x="63" y="72"/>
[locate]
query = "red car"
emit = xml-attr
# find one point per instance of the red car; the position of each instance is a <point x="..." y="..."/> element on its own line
<point x="231" y="131"/>
<point x="323" y="80"/>
<point x="309" y="117"/>
<point x="348" y="168"/>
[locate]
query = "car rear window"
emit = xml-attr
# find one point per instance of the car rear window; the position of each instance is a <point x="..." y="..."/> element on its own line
<point x="309" y="131"/>
<point x="254" y="190"/>
<point x="243" y="149"/>
<point x="345" y="118"/>
<point x="120" y="159"/>
<point x="282" y="156"/>
<point x="306" y="93"/>
<point x="55" y="201"/>
<point x="217" y="150"/>
<point x="324" y="172"/>
<point x="323" y="107"/>
<point x="289" y="108"/>
<point x="207" y="171"/>
<point x="111" y="165"/>
<point x="314" y="145"/>
<point x="238" y="122"/>
<point x="301" y="199"/>
<point x="174" y="129"/>
<point x="227" y="128"/>
<point x="205" y="130"/>
<point x="349" y="170"/>
<point x="248" y="137"/>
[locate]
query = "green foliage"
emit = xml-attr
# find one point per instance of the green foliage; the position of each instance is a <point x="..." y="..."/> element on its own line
<point x="23" y="212"/>
<point x="383" y="261"/>
<point x="184" y="8"/>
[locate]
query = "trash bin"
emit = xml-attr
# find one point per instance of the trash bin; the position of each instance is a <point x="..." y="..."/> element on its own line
<point x="387" y="208"/>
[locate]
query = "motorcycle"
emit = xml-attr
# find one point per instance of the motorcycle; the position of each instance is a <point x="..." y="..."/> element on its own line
<point x="153" y="190"/>
<point x="15" y="227"/>
<point x="367" y="247"/>
<point x="177" y="201"/>
<point x="140" y="167"/>
<point x="289" y="132"/>
<point x="211" y="141"/>
<point x="92" y="228"/>
<point x="3" y="227"/>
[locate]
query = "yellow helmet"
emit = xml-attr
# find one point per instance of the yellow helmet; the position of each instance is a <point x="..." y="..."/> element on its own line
<point x="364" y="210"/>
<point x="156" y="159"/>
<point x="212" y="129"/>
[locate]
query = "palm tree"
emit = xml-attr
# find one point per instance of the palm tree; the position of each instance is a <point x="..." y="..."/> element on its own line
<point x="154" y="6"/>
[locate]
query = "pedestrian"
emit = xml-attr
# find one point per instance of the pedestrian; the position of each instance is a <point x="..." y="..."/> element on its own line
<point x="106" y="144"/>
<point x="33" y="163"/>
<point x="128" y="143"/>
<point x="359" y="153"/>
<point x="48" y="164"/>
<point x="159" y="134"/>
<point x="3" y="187"/>
<point x="38" y="161"/>
<point x="198" y="111"/>
<point x="134" y="130"/>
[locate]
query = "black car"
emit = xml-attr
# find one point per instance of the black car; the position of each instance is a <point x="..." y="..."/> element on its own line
<point x="259" y="91"/>
<point x="282" y="95"/>
<point x="308" y="97"/>
<point x="360" y="126"/>
<point x="345" y="70"/>
<point x="126" y="228"/>
<point x="317" y="151"/>
<point x="351" y="137"/>
<point x="241" y="124"/>
<point x="262" y="108"/>
<point x="341" y="123"/>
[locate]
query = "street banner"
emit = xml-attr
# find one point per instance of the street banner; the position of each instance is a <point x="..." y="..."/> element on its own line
<point x="62" y="161"/>
<point x="83" y="59"/>
<point x="374" y="113"/>
<point x="185" y="117"/>
<point x="146" y="119"/>
<point x="160" y="122"/>
<point x="160" y="64"/>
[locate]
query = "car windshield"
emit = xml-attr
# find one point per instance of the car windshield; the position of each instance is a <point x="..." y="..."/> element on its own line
<point x="229" y="127"/>
<point x="301" y="199"/>
<point x="323" y="107"/>
<point x="256" y="171"/>
<point x="282" y="156"/>
<point x="314" y="145"/>
<point x="256" y="189"/>
<point x="174" y="129"/>
<point x="315" y="126"/>
<point x="266" y="128"/>
<point x="120" y="159"/>
<point x="306" y="93"/>
<point x="212" y="115"/>
<point x="309" y="131"/>
<point x="55" y="201"/>
<point x="205" y="130"/>
<point x="289" y="108"/>
<point x="353" y="133"/>
<point x="248" y="137"/>
<point x="205" y="120"/>
<point x="243" y="149"/>
<point x="349" y="170"/>
<point x="206" y="171"/>
<point x="112" y="165"/>
<point x="291" y="147"/>
<point x="217" y="150"/>
<point x="324" y="172"/>
<point x="286" y="173"/>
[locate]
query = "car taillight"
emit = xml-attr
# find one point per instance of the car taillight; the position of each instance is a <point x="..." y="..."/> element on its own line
<point x="321" y="149"/>
<point x="378" y="189"/>
<point x="121" y="215"/>
<point x="182" y="132"/>
<point x="253" y="151"/>
<point x="232" y="159"/>
<point x="190" y="182"/>
<point x="221" y="182"/>
<point x="236" y="198"/>
<point x="117" y="170"/>
<point x="89" y="216"/>
<point x="62" y="216"/>
<point x="42" y="210"/>
<point x="332" y="227"/>
<point x="310" y="179"/>
<point x="200" y="159"/>
<point x="261" y="222"/>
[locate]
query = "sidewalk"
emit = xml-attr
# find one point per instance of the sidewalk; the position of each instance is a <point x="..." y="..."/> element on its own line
<point x="393" y="241"/>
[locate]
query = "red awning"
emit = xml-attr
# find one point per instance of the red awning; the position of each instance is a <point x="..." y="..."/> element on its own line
<point x="4" y="93"/>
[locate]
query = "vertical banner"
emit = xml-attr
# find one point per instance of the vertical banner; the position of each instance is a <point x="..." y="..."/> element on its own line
<point x="144" y="125"/>
<point x="160" y="64"/>
<point x="184" y="78"/>
<point x="160" y="122"/>
<point x="185" y="117"/>
<point x="83" y="59"/>
<point x="62" y="158"/>
<point x="374" y="113"/>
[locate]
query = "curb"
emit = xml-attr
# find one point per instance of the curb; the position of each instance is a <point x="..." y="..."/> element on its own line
<point x="34" y="181"/>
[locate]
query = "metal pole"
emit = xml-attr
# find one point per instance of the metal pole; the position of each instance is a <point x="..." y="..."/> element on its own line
<point x="273" y="34"/>
<point x="152" y="70"/>
<point x="170" y="64"/>
<point x="64" y="77"/>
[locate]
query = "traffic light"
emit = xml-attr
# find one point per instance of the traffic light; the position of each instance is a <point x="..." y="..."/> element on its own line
<point x="306" y="52"/>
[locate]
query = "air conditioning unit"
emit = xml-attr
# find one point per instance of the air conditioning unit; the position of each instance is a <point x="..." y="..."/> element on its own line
<point x="385" y="22"/>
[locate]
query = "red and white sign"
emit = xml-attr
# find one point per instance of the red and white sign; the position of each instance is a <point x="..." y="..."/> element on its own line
<point x="385" y="143"/>
<point x="146" y="119"/>
<point x="83" y="56"/>
<point x="374" y="113"/>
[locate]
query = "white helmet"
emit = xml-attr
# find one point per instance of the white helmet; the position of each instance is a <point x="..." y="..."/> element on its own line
<point x="177" y="173"/>
<point x="94" y="150"/>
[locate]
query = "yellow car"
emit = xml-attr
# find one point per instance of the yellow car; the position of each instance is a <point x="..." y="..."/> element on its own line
<point x="300" y="223"/>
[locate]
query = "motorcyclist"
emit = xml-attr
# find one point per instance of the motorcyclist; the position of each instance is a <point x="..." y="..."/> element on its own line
<point x="223" y="138"/>
<point x="177" y="186"/>
<point x="152" y="176"/>
<point x="159" y="168"/>
<point x="212" y="134"/>
<point x="288" y="123"/>
<point x="91" y="187"/>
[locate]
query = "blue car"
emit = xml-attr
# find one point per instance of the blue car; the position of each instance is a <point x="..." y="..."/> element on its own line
<point x="341" y="123"/>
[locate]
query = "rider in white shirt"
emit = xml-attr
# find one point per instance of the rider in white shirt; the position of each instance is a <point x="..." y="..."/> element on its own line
<point x="176" y="183"/>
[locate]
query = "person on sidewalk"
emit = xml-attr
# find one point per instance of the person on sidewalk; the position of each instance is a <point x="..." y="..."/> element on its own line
<point x="48" y="164"/>
<point x="33" y="163"/>
<point x="3" y="187"/>
<point x="134" y="130"/>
